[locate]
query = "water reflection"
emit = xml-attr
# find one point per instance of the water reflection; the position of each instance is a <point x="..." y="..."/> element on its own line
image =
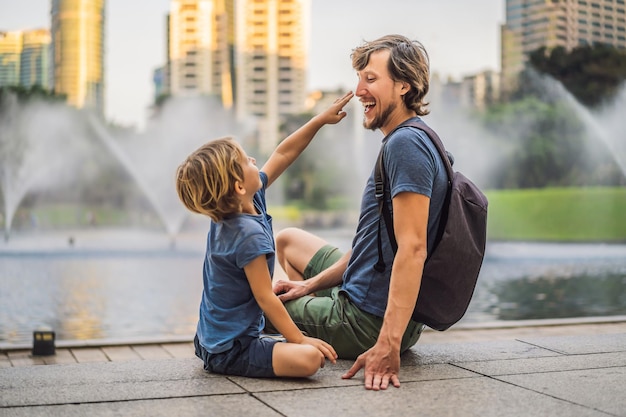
<point x="128" y="293"/>
<point x="81" y="301"/>
<point x="559" y="297"/>
<point x="523" y="281"/>
<point x="99" y="297"/>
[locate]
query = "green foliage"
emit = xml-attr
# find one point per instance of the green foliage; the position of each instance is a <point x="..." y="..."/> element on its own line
<point x="592" y="74"/>
<point x="313" y="180"/>
<point x="50" y="215"/>
<point x="543" y="145"/>
<point x="161" y="99"/>
<point x="25" y="94"/>
<point x="544" y="142"/>
<point x="558" y="214"/>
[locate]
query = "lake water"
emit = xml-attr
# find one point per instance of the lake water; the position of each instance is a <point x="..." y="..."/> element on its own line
<point x="135" y="284"/>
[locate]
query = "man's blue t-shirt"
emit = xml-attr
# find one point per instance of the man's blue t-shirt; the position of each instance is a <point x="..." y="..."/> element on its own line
<point x="228" y="309"/>
<point x="412" y="164"/>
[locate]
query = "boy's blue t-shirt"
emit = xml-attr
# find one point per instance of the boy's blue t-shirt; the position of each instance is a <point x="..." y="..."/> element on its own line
<point x="228" y="309"/>
<point x="412" y="164"/>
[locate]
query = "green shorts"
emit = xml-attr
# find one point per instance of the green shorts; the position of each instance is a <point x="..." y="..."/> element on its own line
<point x="332" y="317"/>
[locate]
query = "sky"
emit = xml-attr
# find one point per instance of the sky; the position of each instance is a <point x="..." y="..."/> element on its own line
<point x="461" y="38"/>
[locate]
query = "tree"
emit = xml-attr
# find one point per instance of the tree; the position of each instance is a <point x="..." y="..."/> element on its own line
<point x="33" y="92"/>
<point x="593" y="74"/>
<point x="546" y="139"/>
<point x="542" y="145"/>
<point x="320" y="175"/>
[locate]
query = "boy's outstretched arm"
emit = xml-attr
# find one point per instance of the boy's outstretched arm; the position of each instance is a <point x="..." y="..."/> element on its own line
<point x="289" y="149"/>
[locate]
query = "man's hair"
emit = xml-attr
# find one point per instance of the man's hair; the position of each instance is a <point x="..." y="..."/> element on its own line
<point x="408" y="62"/>
<point x="205" y="181"/>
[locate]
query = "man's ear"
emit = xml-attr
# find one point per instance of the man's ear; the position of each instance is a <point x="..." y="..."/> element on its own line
<point x="405" y="88"/>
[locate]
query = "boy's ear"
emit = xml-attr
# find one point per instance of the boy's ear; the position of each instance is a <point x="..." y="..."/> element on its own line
<point x="239" y="188"/>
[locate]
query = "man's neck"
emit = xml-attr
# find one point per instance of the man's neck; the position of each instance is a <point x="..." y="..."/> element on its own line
<point x="396" y="120"/>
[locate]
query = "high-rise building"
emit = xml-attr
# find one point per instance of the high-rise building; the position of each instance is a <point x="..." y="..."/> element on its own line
<point x="250" y="53"/>
<point x="35" y="58"/>
<point x="480" y="90"/>
<point x="531" y="24"/>
<point x="10" y="49"/>
<point x="24" y="58"/>
<point x="198" y="58"/>
<point x="271" y="39"/>
<point x="78" y="52"/>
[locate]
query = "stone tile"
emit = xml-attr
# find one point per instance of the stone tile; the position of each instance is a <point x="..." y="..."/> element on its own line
<point x="471" y="352"/>
<point x="117" y="391"/>
<point x="330" y="376"/>
<point x="109" y="381"/>
<point x="180" y="350"/>
<point x="24" y="358"/>
<point x="4" y="361"/>
<point x="481" y="397"/>
<point x="133" y="371"/>
<point x="217" y="406"/>
<point x="121" y="353"/>
<point x="86" y="355"/>
<point x="19" y="353"/>
<point x="600" y="389"/>
<point x="152" y="352"/>
<point x="546" y="364"/>
<point x="582" y="344"/>
<point x="61" y="356"/>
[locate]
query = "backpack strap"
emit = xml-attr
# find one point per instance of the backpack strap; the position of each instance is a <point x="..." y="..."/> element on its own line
<point x="383" y="211"/>
<point x="379" y="180"/>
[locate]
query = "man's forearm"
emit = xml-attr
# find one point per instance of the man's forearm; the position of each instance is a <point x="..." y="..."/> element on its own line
<point x="330" y="277"/>
<point x="406" y="277"/>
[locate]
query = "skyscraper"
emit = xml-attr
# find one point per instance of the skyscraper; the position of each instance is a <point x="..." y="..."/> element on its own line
<point x="78" y="51"/>
<point x="198" y="58"/>
<point x="10" y="49"/>
<point x="249" y="53"/>
<point x="35" y="58"/>
<point x="531" y="24"/>
<point x="271" y="60"/>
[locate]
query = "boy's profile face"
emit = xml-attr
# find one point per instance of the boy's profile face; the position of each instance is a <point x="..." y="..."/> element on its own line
<point x="251" y="179"/>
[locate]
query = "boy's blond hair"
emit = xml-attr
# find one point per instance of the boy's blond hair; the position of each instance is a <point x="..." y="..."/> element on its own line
<point x="205" y="181"/>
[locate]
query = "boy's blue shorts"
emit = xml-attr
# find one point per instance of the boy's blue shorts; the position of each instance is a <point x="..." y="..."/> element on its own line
<point x="249" y="356"/>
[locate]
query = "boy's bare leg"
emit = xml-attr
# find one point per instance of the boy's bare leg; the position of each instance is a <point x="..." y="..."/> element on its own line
<point x="294" y="360"/>
<point x="294" y="250"/>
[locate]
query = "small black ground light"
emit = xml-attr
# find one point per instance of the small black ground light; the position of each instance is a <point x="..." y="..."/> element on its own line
<point x="43" y="342"/>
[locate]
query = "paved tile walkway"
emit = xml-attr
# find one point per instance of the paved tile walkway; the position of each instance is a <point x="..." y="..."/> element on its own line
<point x="567" y="370"/>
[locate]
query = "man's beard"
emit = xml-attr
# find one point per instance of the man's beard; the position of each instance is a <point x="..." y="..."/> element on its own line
<point x="379" y="121"/>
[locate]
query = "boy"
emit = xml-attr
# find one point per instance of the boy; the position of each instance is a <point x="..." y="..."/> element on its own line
<point x="219" y="180"/>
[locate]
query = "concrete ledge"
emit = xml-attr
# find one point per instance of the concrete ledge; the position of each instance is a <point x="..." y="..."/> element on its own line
<point x="536" y="323"/>
<point x="495" y="325"/>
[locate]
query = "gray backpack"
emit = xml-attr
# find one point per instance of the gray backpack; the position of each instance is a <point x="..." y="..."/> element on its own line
<point x="452" y="267"/>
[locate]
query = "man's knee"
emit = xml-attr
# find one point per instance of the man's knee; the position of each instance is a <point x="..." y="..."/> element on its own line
<point x="284" y="238"/>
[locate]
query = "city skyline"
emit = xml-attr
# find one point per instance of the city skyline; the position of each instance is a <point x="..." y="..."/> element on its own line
<point x="460" y="41"/>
